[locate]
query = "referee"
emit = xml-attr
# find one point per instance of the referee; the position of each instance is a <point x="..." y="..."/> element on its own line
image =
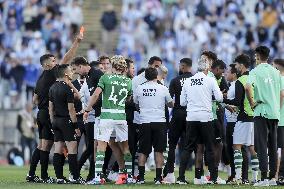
<point x="266" y="83"/>
<point x="178" y="121"/>
<point x="197" y="96"/>
<point x="40" y="98"/>
<point x="64" y="123"/>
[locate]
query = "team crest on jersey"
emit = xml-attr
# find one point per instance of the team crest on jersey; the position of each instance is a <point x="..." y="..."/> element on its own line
<point x="149" y="92"/>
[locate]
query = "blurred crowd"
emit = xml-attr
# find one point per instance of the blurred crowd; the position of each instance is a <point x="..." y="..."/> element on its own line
<point x="173" y="29"/>
<point x="29" y="29"/>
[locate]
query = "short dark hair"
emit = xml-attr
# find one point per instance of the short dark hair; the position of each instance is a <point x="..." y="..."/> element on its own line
<point x="279" y="61"/>
<point x="151" y="73"/>
<point x="60" y="73"/>
<point x="233" y="69"/>
<point x="94" y="63"/>
<point x="186" y="61"/>
<point x="45" y="57"/>
<point x="219" y="64"/>
<point x="128" y="62"/>
<point x="153" y="59"/>
<point x="243" y="59"/>
<point x="263" y="52"/>
<point x="141" y="70"/>
<point x="103" y="57"/>
<point x="211" y="55"/>
<point x="80" y="61"/>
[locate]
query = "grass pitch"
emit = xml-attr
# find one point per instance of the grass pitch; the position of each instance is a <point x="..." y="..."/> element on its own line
<point x="12" y="177"/>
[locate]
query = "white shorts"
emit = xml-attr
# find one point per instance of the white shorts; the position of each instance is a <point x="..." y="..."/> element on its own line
<point x="244" y="133"/>
<point x="112" y="129"/>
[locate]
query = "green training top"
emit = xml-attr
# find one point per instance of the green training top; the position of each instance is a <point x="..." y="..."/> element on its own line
<point x="267" y="84"/>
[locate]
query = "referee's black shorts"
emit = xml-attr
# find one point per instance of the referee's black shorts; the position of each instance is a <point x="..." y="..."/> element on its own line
<point x="44" y="125"/>
<point x="63" y="130"/>
<point x="152" y="135"/>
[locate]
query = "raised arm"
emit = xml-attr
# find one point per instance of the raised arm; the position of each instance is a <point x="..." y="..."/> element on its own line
<point x="72" y="51"/>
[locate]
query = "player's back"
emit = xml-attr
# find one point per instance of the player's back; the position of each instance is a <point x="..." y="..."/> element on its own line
<point x="115" y="88"/>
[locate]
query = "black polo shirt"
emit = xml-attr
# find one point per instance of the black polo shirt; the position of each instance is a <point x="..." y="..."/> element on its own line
<point x="92" y="79"/>
<point x="175" y="88"/>
<point x="60" y="94"/>
<point x="45" y="81"/>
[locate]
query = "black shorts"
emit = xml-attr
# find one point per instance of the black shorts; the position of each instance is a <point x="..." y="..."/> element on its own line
<point x="152" y="135"/>
<point x="177" y="126"/>
<point x="218" y="131"/>
<point x="44" y="125"/>
<point x="133" y="130"/>
<point x="280" y="137"/>
<point x="63" y="130"/>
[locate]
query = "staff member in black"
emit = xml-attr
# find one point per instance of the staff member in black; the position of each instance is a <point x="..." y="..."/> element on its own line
<point x="82" y="67"/>
<point x="64" y="123"/>
<point x="129" y="110"/>
<point x="40" y="98"/>
<point x="178" y="121"/>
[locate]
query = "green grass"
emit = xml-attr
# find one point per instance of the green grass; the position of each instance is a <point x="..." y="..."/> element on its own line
<point x="12" y="177"/>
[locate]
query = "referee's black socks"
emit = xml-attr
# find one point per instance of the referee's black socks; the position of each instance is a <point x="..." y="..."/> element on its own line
<point x="73" y="166"/>
<point x="158" y="173"/>
<point x="58" y="165"/>
<point x="44" y="158"/>
<point x="34" y="161"/>
<point x="141" y="172"/>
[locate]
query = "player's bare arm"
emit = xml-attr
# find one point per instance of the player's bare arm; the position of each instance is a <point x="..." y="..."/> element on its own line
<point x="35" y="99"/>
<point x="72" y="51"/>
<point x="281" y="98"/>
<point x="93" y="100"/>
<point x="248" y="90"/>
<point x="72" y="113"/>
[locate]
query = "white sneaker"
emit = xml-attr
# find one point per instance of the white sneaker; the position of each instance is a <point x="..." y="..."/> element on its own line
<point x="264" y="182"/>
<point x="170" y="179"/>
<point x="204" y="180"/>
<point x="96" y="181"/>
<point x="113" y="176"/>
<point x="197" y="181"/>
<point x="70" y="178"/>
<point x="272" y="182"/>
<point x="220" y="181"/>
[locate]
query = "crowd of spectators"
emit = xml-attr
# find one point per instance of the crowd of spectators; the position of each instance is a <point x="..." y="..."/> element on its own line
<point x="174" y="29"/>
<point x="29" y="29"/>
<point x="171" y="29"/>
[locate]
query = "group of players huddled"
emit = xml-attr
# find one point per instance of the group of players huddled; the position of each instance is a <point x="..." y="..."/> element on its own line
<point x="126" y="117"/>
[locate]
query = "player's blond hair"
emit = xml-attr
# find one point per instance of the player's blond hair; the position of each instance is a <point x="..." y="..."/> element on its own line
<point x="118" y="62"/>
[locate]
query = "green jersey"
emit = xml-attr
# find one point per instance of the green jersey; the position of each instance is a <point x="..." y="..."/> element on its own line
<point x="281" y="121"/>
<point x="116" y="88"/>
<point x="267" y="84"/>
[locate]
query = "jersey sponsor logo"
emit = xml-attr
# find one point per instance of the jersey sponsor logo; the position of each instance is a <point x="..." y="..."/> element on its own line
<point x="149" y="92"/>
<point x="123" y="84"/>
<point x="268" y="80"/>
<point x="196" y="81"/>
